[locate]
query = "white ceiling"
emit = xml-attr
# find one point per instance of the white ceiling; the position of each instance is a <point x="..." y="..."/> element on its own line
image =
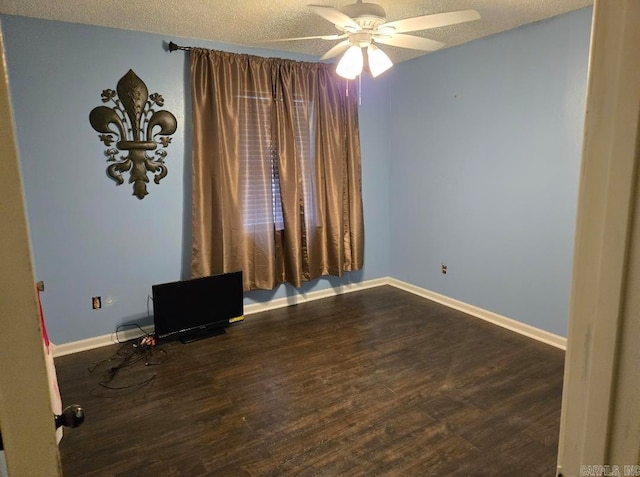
<point x="250" y="22"/>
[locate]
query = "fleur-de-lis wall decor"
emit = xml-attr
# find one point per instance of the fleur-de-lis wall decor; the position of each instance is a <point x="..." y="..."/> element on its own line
<point x="134" y="126"/>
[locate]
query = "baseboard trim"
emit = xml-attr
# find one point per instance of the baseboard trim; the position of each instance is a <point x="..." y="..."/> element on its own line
<point x="298" y="298"/>
<point x="98" y="341"/>
<point x="502" y="321"/>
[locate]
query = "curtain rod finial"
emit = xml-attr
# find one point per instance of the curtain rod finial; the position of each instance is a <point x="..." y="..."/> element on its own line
<point x="172" y="46"/>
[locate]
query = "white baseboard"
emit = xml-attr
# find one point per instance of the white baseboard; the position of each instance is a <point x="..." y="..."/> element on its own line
<point x="298" y="298"/>
<point x="98" y="341"/>
<point x="491" y="317"/>
<point x="504" y="322"/>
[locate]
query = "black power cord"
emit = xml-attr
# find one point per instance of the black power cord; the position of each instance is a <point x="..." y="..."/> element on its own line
<point x="131" y="352"/>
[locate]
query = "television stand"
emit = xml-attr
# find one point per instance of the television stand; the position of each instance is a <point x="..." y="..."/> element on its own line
<point x="202" y="335"/>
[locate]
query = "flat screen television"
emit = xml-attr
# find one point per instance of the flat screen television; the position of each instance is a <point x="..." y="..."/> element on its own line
<point x="196" y="308"/>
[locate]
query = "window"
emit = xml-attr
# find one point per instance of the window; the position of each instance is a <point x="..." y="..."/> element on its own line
<point x="259" y="171"/>
<point x="242" y="142"/>
<point x="262" y="204"/>
<point x="305" y="143"/>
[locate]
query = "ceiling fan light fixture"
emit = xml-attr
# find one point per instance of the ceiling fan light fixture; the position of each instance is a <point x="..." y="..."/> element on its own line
<point x="379" y="62"/>
<point x="362" y="23"/>
<point x="350" y="65"/>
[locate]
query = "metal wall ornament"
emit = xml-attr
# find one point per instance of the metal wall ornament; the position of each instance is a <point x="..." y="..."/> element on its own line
<point x="134" y="126"/>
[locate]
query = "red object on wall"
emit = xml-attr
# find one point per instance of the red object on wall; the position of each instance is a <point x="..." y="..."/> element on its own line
<point x="45" y="336"/>
<point x="54" y="391"/>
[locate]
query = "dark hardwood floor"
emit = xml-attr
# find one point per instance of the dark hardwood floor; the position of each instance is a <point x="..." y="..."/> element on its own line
<point x="376" y="382"/>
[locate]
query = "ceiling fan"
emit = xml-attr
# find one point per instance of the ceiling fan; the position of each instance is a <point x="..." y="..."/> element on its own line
<point x="363" y="25"/>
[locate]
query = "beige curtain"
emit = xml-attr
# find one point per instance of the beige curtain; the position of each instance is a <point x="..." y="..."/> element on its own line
<point x="276" y="170"/>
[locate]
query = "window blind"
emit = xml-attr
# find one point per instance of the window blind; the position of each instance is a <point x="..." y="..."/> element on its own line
<point x="259" y="167"/>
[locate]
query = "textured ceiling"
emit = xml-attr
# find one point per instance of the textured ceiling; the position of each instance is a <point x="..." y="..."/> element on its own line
<point x="250" y="22"/>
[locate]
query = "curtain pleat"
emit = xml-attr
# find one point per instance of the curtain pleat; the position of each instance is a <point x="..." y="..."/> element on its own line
<point x="259" y="122"/>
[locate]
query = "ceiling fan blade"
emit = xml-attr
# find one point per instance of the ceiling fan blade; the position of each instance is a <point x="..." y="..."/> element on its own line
<point x="321" y="37"/>
<point x="426" y="22"/>
<point x="336" y="50"/>
<point x="335" y="16"/>
<point x="409" y="41"/>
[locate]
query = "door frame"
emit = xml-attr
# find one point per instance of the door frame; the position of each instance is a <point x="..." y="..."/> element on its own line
<point x="26" y="416"/>
<point x="600" y="422"/>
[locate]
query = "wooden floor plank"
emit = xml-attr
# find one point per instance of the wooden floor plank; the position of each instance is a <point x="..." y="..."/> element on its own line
<point x="378" y="382"/>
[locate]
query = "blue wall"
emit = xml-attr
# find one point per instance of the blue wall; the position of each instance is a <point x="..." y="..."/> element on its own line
<point x="486" y="142"/>
<point x="92" y="238"/>
<point x="470" y="156"/>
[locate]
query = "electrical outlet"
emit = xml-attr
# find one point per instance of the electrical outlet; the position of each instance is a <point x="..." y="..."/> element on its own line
<point x="444" y="268"/>
<point x="96" y="302"/>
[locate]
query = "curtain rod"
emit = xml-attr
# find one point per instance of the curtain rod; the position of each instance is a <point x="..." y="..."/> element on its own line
<point x="174" y="47"/>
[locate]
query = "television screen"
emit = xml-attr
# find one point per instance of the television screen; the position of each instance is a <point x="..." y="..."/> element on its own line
<point x="195" y="308"/>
